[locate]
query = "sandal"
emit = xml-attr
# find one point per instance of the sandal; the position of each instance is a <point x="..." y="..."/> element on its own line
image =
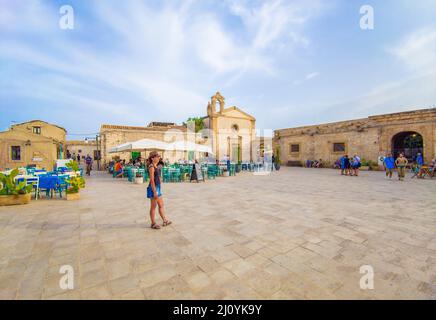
<point x="166" y="223"/>
<point x="155" y="226"/>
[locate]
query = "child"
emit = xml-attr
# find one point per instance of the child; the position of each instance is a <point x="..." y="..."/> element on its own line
<point x="401" y="164"/>
<point x="389" y="164"/>
<point x="154" y="190"/>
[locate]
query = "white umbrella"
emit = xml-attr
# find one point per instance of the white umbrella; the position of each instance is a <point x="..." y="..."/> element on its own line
<point x="189" y="146"/>
<point x="140" y="145"/>
<point x="116" y="148"/>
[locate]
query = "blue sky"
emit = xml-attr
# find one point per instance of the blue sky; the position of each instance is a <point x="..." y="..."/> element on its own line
<point x="288" y="63"/>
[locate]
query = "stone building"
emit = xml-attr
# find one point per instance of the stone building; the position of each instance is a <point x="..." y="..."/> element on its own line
<point x="409" y="132"/>
<point x="82" y="148"/>
<point x="113" y="135"/>
<point x="232" y="131"/>
<point x="228" y="131"/>
<point x="34" y="142"/>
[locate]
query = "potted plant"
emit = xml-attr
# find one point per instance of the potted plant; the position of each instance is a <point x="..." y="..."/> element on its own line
<point x="12" y="193"/>
<point x="139" y="179"/>
<point x="75" y="184"/>
<point x="372" y="165"/>
<point x="364" y="165"/>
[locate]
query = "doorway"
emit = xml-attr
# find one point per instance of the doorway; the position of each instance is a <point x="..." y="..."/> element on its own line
<point x="408" y="142"/>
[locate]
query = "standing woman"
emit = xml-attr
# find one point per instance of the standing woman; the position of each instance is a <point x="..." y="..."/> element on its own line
<point x="154" y="192"/>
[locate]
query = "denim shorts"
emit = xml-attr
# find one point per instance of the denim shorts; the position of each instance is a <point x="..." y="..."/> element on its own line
<point x="150" y="192"/>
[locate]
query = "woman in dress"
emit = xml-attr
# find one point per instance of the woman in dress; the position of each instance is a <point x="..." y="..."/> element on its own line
<point x="154" y="192"/>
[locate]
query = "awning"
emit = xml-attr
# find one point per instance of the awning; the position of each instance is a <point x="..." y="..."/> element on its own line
<point x="140" y="145"/>
<point x="189" y="146"/>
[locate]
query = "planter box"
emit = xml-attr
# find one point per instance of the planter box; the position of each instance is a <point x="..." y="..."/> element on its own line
<point x="226" y="174"/>
<point x="138" y="180"/>
<point x="15" y="199"/>
<point x="73" y="196"/>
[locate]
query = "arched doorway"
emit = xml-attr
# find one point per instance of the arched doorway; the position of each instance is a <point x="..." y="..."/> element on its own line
<point x="408" y="142"/>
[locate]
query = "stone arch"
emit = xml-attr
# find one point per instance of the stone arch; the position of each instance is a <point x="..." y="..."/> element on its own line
<point x="387" y="133"/>
<point x="217" y="98"/>
<point x="410" y="143"/>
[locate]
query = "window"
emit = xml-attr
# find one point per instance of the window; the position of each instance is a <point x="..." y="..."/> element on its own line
<point x="37" y="130"/>
<point x="16" y="153"/>
<point x="294" y="148"/>
<point x="339" y="147"/>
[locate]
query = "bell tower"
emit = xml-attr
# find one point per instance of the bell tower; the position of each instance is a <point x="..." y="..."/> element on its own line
<point x="217" y="98"/>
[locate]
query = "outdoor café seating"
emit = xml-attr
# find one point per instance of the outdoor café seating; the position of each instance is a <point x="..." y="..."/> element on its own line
<point x="48" y="182"/>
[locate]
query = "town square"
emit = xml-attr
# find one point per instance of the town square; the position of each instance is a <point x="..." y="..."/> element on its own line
<point x="217" y="150"/>
<point x="295" y="234"/>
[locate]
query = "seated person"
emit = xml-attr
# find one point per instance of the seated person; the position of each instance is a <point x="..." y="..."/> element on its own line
<point x="319" y="164"/>
<point x="119" y="171"/>
<point x="138" y="162"/>
<point x="308" y="163"/>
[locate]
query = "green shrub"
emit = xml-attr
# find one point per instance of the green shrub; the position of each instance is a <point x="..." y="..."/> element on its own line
<point x="76" y="183"/>
<point x="9" y="187"/>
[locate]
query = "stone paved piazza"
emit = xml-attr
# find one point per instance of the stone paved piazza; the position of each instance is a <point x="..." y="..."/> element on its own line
<point x="297" y="234"/>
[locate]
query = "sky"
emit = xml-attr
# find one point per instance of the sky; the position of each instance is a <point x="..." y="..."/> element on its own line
<point x="286" y="62"/>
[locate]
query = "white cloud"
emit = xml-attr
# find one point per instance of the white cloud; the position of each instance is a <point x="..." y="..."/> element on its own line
<point x="417" y="50"/>
<point x="312" y="75"/>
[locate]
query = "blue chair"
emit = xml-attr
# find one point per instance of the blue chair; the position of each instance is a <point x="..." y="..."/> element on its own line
<point x="48" y="183"/>
<point x="34" y="181"/>
<point x="62" y="184"/>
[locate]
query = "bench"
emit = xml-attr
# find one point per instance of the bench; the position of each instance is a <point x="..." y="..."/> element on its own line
<point x="294" y="164"/>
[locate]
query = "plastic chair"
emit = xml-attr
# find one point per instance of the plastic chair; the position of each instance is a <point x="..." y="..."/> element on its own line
<point x="48" y="184"/>
<point x="35" y="182"/>
<point x="166" y="174"/>
<point x="62" y="184"/>
<point x="175" y="175"/>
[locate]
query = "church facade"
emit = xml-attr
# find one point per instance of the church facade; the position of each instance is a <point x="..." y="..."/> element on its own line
<point x="232" y="131"/>
<point x="229" y="132"/>
<point x="409" y="132"/>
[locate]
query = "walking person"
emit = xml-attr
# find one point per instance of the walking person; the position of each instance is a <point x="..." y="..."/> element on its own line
<point x="419" y="163"/>
<point x="88" y="162"/>
<point x="401" y="164"/>
<point x="154" y="192"/>
<point x="389" y="164"/>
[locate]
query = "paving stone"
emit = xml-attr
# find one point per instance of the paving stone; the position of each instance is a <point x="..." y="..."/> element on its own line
<point x="290" y="243"/>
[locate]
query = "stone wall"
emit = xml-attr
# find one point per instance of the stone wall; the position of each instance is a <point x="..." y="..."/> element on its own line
<point x="369" y="138"/>
<point x="36" y="149"/>
<point x="82" y="148"/>
<point x="113" y="135"/>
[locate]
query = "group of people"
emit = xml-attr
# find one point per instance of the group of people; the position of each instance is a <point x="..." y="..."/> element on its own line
<point x="390" y="163"/>
<point x="314" y="163"/>
<point x="401" y="162"/>
<point x="350" y="165"/>
<point x="88" y="161"/>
